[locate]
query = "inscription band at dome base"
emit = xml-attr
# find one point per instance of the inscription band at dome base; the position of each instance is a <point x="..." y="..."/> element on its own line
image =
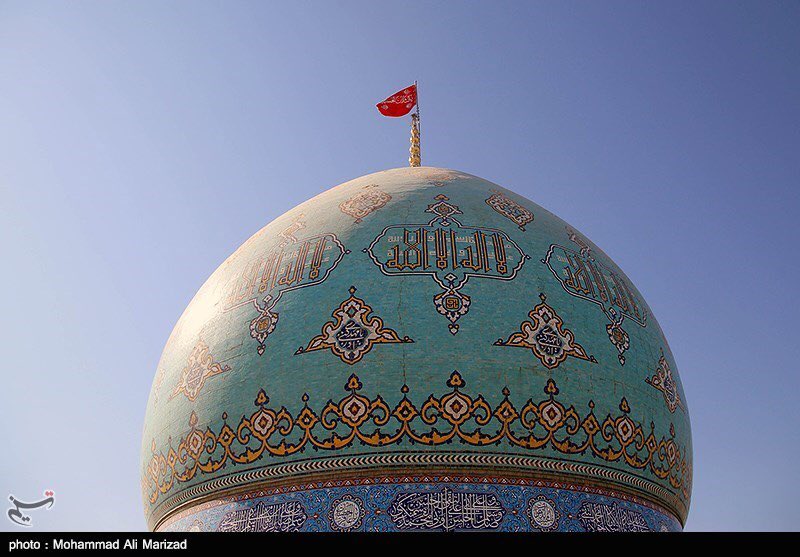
<point x="496" y="467"/>
<point x="424" y="503"/>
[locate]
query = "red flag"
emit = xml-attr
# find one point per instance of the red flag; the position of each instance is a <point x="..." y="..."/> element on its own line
<point x="400" y="103"/>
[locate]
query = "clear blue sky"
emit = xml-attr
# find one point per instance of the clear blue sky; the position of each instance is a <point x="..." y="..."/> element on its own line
<point x="142" y="142"/>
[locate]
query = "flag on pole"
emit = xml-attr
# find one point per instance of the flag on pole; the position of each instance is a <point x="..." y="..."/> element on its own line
<point x="400" y="103"/>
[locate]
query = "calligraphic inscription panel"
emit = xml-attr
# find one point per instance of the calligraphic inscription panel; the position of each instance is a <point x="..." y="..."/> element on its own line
<point x="394" y="504"/>
<point x="292" y="265"/>
<point x="582" y="275"/>
<point x="447" y="510"/>
<point x="586" y="278"/>
<point x="287" y="516"/>
<point x="448" y="252"/>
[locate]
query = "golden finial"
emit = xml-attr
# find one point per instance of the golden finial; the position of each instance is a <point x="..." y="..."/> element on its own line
<point x="415" y="156"/>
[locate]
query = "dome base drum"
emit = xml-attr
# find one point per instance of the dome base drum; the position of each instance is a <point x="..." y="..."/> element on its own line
<point x="445" y="503"/>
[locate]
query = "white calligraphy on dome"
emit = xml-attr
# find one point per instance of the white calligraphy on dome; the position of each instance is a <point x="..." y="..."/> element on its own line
<point x="446" y="510"/>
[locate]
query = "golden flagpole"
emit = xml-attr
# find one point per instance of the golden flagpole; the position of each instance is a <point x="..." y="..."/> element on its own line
<point x="415" y="150"/>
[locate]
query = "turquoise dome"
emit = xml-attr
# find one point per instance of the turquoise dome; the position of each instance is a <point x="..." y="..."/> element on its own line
<point x="417" y="349"/>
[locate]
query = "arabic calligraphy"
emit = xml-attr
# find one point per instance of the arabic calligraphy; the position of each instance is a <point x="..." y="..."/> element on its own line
<point x="293" y="264"/>
<point x="585" y="277"/>
<point x="449" y="252"/>
<point x="281" y="517"/>
<point x="286" y="268"/>
<point x="543" y="513"/>
<point x="16" y="514"/>
<point x="582" y="276"/>
<point x="598" y="517"/>
<point x="363" y="502"/>
<point x="346" y="514"/>
<point x="446" y="510"/>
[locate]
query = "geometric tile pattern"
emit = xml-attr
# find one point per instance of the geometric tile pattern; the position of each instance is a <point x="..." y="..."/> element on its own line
<point x="456" y="415"/>
<point x="200" y="367"/>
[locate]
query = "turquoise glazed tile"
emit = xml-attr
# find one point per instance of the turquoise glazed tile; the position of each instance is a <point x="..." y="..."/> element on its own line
<point x="417" y="349"/>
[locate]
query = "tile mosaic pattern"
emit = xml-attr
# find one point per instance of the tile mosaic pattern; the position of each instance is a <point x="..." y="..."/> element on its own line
<point x="445" y="271"/>
<point x="439" y="504"/>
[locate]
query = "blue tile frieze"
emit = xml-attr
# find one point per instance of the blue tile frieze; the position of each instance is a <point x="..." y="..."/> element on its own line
<point x="433" y="506"/>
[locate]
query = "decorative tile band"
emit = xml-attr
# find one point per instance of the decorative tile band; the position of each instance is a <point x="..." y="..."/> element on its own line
<point x="434" y="503"/>
<point x="502" y="469"/>
<point x="546" y="424"/>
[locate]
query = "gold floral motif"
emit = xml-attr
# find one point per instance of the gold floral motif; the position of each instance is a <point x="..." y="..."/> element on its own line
<point x="546" y="337"/>
<point x="353" y="331"/>
<point x="365" y="202"/>
<point x="619" y="338"/>
<point x="200" y="367"/>
<point x="663" y="381"/>
<point x="456" y="415"/>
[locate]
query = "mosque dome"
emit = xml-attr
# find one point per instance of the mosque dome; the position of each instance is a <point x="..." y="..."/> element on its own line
<point x="417" y="349"/>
